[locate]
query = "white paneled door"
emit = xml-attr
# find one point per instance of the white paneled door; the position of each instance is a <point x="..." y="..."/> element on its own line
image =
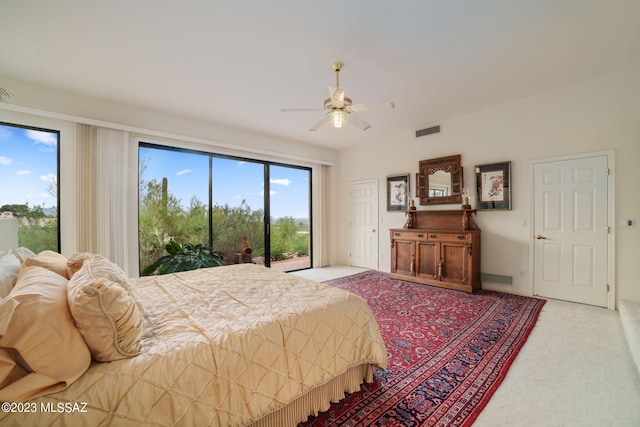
<point x="571" y="230"/>
<point x="363" y="224"/>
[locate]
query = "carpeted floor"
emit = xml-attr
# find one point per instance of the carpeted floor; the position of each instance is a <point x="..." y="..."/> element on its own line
<point x="448" y="352"/>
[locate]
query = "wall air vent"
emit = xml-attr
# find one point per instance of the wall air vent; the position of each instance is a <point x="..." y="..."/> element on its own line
<point x="428" y="131"/>
<point x="496" y="278"/>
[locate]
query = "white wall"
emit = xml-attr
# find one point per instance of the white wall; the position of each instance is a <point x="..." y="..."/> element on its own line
<point x="590" y="116"/>
<point x="595" y="115"/>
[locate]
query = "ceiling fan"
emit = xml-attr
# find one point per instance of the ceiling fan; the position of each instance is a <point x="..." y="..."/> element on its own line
<point x="338" y="108"/>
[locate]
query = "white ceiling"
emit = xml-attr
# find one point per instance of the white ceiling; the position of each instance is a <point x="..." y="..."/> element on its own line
<point x="239" y="62"/>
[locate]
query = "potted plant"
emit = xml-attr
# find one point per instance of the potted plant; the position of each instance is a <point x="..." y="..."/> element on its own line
<point x="183" y="258"/>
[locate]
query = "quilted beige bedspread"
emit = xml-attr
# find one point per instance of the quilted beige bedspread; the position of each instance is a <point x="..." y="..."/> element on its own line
<point x="223" y="347"/>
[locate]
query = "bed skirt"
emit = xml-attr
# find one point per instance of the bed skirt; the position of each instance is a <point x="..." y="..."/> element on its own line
<point x="317" y="399"/>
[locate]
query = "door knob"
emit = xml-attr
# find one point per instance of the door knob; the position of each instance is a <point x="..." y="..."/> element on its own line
<point x="540" y="237"/>
<point x="373" y="230"/>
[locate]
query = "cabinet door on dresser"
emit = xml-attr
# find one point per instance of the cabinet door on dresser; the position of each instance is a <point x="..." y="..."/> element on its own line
<point x="427" y="259"/>
<point x="455" y="260"/>
<point x="403" y="257"/>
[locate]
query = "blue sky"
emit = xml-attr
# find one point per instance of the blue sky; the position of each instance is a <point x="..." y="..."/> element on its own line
<point x="234" y="180"/>
<point x="28" y="166"/>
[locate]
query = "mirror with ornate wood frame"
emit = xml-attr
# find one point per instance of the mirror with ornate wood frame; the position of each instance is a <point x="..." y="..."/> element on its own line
<point x="440" y="181"/>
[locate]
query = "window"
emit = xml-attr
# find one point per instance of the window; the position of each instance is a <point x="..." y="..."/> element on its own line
<point x="29" y="164"/>
<point x="173" y="200"/>
<point x="238" y="206"/>
<point x="289" y="208"/>
<point x="224" y="202"/>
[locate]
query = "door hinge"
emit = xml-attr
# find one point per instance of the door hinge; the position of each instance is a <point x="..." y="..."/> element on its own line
<point x="608" y="229"/>
<point x="608" y="288"/>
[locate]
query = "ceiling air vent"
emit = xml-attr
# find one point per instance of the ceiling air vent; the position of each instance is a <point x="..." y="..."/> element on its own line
<point x="428" y="131"/>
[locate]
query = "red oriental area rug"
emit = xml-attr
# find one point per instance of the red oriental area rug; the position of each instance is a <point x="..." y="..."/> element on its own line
<point x="448" y="353"/>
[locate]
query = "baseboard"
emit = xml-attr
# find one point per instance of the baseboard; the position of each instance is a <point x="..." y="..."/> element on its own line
<point x="630" y="316"/>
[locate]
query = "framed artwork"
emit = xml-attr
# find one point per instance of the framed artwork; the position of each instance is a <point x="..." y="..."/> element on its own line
<point x="398" y="192"/>
<point x="493" y="186"/>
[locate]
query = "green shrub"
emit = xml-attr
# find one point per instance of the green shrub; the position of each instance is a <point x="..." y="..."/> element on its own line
<point x="184" y="258"/>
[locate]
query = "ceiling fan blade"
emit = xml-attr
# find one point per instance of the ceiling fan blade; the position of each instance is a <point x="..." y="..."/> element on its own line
<point x="319" y="124"/>
<point x="289" y="110"/>
<point x="386" y="105"/>
<point x="337" y="97"/>
<point x="358" y="122"/>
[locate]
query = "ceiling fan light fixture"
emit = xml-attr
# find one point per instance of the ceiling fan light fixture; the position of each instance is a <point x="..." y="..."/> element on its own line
<point x="337" y="117"/>
<point x="339" y="108"/>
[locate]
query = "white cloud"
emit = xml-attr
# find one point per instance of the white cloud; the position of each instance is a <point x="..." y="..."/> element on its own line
<point x="183" y="172"/>
<point x="50" y="177"/>
<point x="47" y="138"/>
<point x="272" y="193"/>
<point x="284" y="181"/>
<point x="23" y="172"/>
<point x="44" y="195"/>
<point x="5" y="161"/>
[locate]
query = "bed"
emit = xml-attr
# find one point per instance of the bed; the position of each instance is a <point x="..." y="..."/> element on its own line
<point x="227" y="346"/>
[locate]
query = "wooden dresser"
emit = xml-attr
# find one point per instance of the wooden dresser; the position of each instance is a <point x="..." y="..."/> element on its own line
<point x="438" y="247"/>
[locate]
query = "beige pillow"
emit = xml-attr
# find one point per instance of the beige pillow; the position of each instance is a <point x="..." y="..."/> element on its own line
<point x="74" y="262"/>
<point x="41" y="351"/>
<point x="9" y="268"/>
<point x="106" y="311"/>
<point x="51" y="261"/>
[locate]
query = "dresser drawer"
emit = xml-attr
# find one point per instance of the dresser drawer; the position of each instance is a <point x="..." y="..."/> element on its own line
<point x="409" y="235"/>
<point x="449" y="237"/>
<point x="403" y="235"/>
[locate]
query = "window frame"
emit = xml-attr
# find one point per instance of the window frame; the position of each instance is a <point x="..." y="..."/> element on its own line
<point x="142" y="142"/>
<point x="59" y="179"/>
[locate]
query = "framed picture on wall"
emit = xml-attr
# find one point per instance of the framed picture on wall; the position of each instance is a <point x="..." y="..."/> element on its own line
<point x="493" y="186"/>
<point x="398" y="192"/>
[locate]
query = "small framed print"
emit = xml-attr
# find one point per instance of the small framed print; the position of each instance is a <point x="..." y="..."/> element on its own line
<point x="493" y="186"/>
<point x="398" y="192"/>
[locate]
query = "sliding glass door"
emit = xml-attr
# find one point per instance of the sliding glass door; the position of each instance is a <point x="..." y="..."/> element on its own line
<point x="225" y="202"/>
<point x="238" y="209"/>
<point x="173" y="200"/>
<point x="290" y="221"/>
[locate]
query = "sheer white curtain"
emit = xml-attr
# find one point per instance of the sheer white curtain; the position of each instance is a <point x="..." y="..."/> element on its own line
<point x="321" y="215"/>
<point x="85" y="203"/>
<point x="104" y="180"/>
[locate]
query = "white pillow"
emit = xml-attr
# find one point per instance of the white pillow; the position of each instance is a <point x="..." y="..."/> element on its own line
<point x="22" y="253"/>
<point x="9" y="269"/>
<point x="105" y="309"/>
